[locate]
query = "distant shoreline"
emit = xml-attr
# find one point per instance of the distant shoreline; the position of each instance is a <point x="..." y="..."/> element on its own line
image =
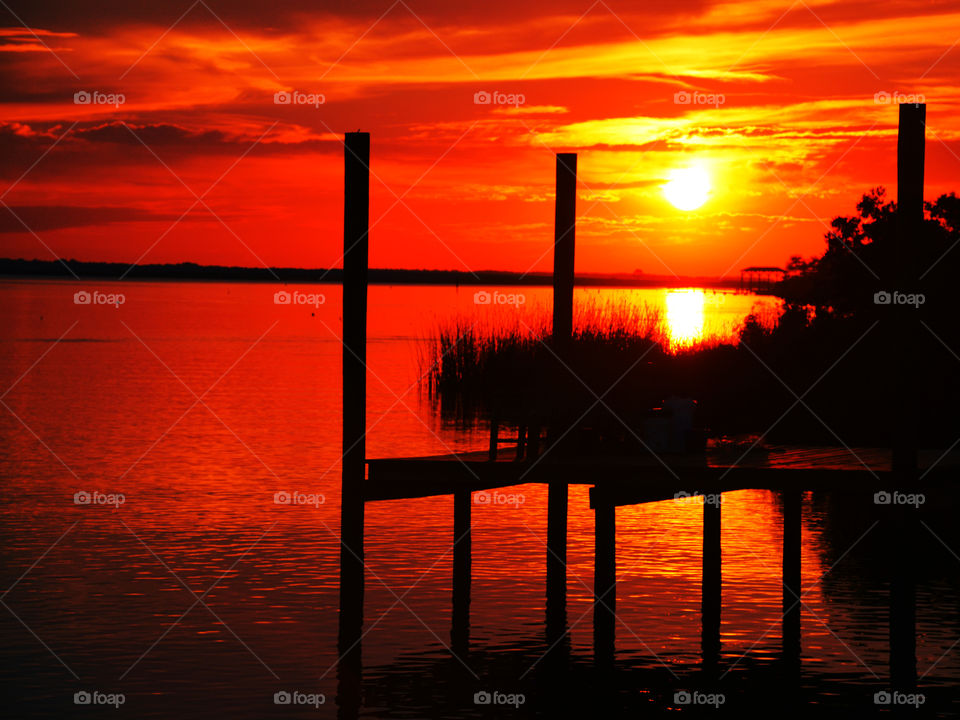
<point x="55" y="269"/>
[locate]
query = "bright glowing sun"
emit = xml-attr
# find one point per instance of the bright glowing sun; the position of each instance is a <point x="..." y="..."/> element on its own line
<point x="688" y="188"/>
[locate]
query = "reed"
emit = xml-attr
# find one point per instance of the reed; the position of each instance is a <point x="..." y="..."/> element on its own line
<point x="509" y="365"/>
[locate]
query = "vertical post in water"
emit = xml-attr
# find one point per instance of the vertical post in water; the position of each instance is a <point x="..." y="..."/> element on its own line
<point x="462" y="562"/>
<point x="910" y="165"/>
<point x="902" y="527"/>
<point x="557" y="499"/>
<point x="564" y="244"/>
<point x="710" y="592"/>
<point x="910" y="161"/>
<point x="604" y="579"/>
<point x="792" y="592"/>
<point x="356" y="217"/>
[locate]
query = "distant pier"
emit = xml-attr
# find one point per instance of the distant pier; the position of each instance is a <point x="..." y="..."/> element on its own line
<point x="760" y="279"/>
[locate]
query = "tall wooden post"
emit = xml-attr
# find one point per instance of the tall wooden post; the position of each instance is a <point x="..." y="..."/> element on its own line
<point x="604" y="580"/>
<point x="910" y="164"/>
<point x="792" y="591"/>
<point x="902" y="524"/>
<point x="564" y="243"/>
<point x="557" y="492"/>
<point x="356" y="217"/>
<point x="462" y="570"/>
<point x="910" y="161"/>
<point x="710" y="591"/>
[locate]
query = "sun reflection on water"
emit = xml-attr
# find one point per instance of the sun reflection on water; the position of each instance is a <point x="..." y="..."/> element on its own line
<point x="685" y="316"/>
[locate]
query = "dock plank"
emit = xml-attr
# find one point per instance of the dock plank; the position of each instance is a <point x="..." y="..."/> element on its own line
<point x="649" y="475"/>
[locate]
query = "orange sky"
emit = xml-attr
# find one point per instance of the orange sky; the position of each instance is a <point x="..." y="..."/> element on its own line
<point x="797" y="138"/>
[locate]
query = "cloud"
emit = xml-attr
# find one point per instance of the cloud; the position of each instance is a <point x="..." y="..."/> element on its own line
<point x="532" y="110"/>
<point x="118" y="144"/>
<point x="22" y="40"/>
<point x="40" y="218"/>
<point x="96" y="15"/>
<point x="798" y="83"/>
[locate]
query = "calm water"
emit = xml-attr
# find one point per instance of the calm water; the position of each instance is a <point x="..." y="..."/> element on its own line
<point x="198" y="402"/>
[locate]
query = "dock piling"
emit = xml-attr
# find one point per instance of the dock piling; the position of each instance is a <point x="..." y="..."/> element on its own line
<point x="903" y="602"/>
<point x="910" y="163"/>
<point x="604" y="581"/>
<point x="792" y="590"/>
<point x="711" y="585"/>
<point x="564" y="246"/>
<point x="556" y="556"/>
<point x="906" y="366"/>
<point x="462" y="569"/>
<point x="563" y="276"/>
<point x="356" y="217"/>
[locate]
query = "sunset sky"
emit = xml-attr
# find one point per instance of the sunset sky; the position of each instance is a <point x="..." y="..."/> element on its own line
<point x="786" y="122"/>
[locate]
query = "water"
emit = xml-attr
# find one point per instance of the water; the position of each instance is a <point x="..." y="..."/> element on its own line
<point x="199" y="401"/>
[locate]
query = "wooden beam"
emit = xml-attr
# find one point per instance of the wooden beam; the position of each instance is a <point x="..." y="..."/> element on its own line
<point x="564" y="244"/>
<point x="710" y="592"/>
<point x="910" y="162"/>
<point x="557" y="500"/>
<point x="564" y="250"/>
<point x="792" y="591"/>
<point x="494" y="437"/>
<point x="604" y="582"/>
<point x="356" y="217"/>
<point x="462" y="569"/>
<point x="902" y="524"/>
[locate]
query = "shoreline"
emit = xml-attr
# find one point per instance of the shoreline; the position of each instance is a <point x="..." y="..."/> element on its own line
<point x="18" y="269"/>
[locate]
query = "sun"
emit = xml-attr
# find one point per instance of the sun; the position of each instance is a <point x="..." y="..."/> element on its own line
<point x="688" y="188"/>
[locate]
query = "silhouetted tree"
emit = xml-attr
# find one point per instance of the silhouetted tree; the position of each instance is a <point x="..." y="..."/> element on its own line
<point x="861" y="256"/>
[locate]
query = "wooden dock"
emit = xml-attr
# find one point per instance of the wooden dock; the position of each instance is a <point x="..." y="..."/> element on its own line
<point x="618" y="479"/>
<point x="648" y="478"/>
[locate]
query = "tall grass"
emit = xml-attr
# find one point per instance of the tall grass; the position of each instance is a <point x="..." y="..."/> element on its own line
<point x="599" y="390"/>
<point x="511" y="366"/>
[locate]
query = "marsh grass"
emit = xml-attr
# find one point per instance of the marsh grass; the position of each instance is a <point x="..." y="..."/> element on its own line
<point x="511" y="367"/>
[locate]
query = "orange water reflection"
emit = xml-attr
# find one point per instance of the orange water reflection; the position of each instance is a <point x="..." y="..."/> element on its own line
<point x="685" y="316"/>
<point x="111" y="401"/>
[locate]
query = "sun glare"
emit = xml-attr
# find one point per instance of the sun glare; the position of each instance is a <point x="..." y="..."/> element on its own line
<point x="687" y="188"/>
<point x="684" y="316"/>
